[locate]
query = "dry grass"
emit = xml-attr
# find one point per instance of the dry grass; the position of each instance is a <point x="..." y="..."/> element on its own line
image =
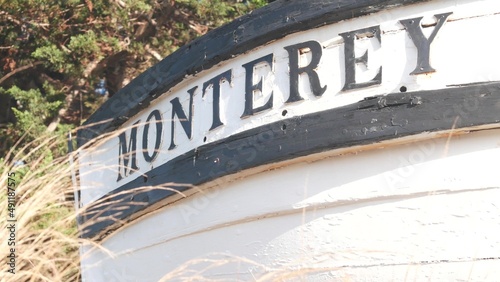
<point x="46" y="239"/>
<point x="242" y="269"/>
<point x="47" y="247"/>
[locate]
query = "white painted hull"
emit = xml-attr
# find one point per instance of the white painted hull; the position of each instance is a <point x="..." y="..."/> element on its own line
<point x="420" y="202"/>
<point x="420" y="211"/>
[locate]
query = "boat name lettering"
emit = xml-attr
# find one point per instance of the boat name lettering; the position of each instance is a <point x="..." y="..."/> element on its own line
<point x="128" y="146"/>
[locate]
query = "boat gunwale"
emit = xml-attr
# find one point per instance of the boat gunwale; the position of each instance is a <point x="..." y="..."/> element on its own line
<point x="370" y="121"/>
<point x="260" y="27"/>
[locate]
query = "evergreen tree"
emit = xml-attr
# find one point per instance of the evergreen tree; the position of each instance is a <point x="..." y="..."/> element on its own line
<point x="57" y="57"/>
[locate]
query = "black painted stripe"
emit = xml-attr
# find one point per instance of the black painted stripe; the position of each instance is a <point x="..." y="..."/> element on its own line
<point x="258" y="28"/>
<point x="366" y="122"/>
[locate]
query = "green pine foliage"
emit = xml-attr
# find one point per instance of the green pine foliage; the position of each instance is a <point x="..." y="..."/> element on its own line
<point x="52" y="56"/>
<point x="54" y="52"/>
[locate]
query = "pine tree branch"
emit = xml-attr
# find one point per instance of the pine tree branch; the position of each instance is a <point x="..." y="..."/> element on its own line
<point x="71" y="96"/>
<point x="153" y="53"/>
<point x="20" y="69"/>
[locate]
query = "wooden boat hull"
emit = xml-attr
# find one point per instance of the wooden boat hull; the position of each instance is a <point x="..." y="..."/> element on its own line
<point x="400" y="216"/>
<point x="344" y="141"/>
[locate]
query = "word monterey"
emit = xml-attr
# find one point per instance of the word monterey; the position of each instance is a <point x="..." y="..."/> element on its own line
<point x="253" y="84"/>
